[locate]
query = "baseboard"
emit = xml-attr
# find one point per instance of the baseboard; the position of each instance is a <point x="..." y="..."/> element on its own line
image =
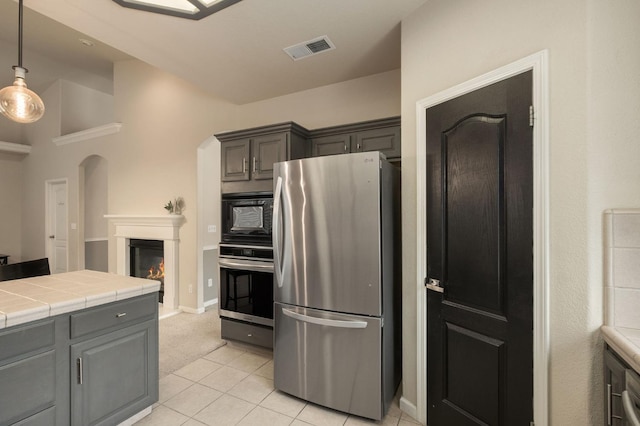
<point x="408" y="407"/>
<point x="210" y="302"/>
<point x="136" y="417"/>
<point x="191" y="310"/>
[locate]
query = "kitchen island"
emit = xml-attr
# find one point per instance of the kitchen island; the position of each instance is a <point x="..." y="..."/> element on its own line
<point x="78" y="348"/>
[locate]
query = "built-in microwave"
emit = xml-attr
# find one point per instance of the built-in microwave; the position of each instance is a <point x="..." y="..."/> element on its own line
<point x="246" y="218"/>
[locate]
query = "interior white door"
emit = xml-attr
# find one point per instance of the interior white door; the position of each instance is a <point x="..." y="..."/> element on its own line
<point x="57" y="227"/>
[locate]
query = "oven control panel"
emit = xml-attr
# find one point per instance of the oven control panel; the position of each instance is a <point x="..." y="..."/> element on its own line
<point x="246" y="252"/>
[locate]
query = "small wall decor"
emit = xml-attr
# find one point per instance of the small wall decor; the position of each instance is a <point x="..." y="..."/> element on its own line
<point x="175" y="206"/>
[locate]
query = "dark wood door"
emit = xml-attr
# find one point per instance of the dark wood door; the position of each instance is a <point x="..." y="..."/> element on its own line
<point x="480" y="249"/>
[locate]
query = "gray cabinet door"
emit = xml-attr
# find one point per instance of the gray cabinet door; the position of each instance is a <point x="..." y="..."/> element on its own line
<point x="267" y="150"/>
<point x="114" y="376"/>
<point x="330" y="145"/>
<point x="385" y="140"/>
<point x="28" y="359"/>
<point x="614" y="381"/>
<point x="235" y="157"/>
<point x="27" y="386"/>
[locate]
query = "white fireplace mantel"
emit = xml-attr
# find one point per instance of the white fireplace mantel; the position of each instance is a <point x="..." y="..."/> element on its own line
<point x="165" y="228"/>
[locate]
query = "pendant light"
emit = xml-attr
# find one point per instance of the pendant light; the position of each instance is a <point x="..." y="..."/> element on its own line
<point x="17" y="102"/>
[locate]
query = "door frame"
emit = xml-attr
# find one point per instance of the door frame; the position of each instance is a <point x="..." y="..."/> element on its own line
<point x="49" y="184"/>
<point x="538" y="63"/>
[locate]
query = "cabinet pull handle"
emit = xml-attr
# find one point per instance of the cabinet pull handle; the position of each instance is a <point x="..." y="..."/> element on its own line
<point x="358" y="146"/>
<point x="121" y="314"/>
<point x="254" y="164"/>
<point x="345" y="147"/>
<point x="609" y="404"/>
<point x="244" y="165"/>
<point x="79" y="365"/>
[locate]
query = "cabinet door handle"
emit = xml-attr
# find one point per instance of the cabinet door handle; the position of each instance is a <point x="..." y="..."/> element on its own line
<point x="609" y="404"/>
<point x="244" y="165"/>
<point x="254" y="164"/>
<point x="358" y="146"/>
<point x="345" y="147"/>
<point x="121" y="314"/>
<point x="79" y="366"/>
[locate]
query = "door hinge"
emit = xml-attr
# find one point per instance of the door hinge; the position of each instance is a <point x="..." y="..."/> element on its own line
<point x="531" y="120"/>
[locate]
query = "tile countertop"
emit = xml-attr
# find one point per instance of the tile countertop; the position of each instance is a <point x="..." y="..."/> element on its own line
<point x="30" y="299"/>
<point x="626" y="343"/>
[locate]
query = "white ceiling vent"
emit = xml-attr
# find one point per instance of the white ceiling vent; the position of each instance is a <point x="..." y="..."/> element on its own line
<point x="309" y="48"/>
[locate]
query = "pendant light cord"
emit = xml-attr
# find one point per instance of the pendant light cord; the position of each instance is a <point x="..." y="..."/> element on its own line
<point x="20" y="33"/>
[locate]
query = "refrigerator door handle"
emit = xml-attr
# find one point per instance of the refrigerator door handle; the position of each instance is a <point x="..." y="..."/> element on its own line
<point x="277" y="239"/>
<point x="324" y="321"/>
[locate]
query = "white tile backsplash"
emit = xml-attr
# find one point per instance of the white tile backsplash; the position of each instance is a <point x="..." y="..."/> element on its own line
<point x="626" y="267"/>
<point x="626" y="229"/>
<point x="627" y="308"/>
<point x="621" y="252"/>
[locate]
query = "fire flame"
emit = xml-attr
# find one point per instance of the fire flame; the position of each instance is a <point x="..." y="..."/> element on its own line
<point x="156" y="272"/>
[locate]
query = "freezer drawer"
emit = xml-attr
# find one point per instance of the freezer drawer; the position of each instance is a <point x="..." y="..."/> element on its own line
<point x="330" y="359"/>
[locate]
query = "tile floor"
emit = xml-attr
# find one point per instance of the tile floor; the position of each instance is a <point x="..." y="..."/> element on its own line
<point x="233" y="385"/>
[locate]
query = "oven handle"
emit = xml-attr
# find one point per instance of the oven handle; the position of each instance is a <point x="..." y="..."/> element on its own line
<point x="246" y="265"/>
<point x="277" y="239"/>
<point x="324" y="321"/>
<point x="629" y="409"/>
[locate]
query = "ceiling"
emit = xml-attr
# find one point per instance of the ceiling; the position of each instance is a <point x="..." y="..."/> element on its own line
<point x="235" y="54"/>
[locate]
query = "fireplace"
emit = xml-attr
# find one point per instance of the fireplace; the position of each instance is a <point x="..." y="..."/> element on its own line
<point x="165" y="228"/>
<point x="147" y="260"/>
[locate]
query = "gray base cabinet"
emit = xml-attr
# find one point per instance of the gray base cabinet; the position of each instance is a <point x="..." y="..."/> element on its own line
<point x="98" y="366"/>
<point x="28" y="358"/>
<point x="113" y="376"/>
<point x="614" y="382"/>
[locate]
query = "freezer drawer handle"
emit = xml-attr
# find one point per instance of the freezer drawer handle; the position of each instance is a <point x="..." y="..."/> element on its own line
<point x="629" y="409"/>
<point x="324" y="321"/>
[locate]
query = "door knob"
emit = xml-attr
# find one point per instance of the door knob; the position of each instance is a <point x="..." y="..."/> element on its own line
<point x="434" y="285"/>
<point x="52" y="236"/>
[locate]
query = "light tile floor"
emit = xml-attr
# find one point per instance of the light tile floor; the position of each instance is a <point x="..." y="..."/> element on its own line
<point x="233" y="385"/>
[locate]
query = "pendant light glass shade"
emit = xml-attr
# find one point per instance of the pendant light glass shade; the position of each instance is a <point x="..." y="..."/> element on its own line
<point x="17" y="102"/>
<point x="20" y="104"/>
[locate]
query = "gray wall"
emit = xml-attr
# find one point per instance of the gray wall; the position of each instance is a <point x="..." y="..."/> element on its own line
<point x="210" y="271"/>
<point x="96" y="255"/>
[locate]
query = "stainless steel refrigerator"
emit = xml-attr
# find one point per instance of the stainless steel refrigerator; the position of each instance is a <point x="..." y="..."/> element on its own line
<point x="337" y="281"/>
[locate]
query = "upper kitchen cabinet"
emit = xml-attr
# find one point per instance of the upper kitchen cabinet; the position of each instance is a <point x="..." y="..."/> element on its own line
<point x="247" y="156"/>
<point x="376" y="135"/>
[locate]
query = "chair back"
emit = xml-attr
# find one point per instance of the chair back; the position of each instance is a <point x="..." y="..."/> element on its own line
<point x="29" y="268"/>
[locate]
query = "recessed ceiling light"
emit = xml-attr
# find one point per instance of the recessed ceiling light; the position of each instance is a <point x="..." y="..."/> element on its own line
<point x="191" y="9"/>
<point x="86" y="42"/>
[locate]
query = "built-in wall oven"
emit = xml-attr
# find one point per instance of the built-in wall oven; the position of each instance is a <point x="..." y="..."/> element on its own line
<point x="245" y="300"/>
